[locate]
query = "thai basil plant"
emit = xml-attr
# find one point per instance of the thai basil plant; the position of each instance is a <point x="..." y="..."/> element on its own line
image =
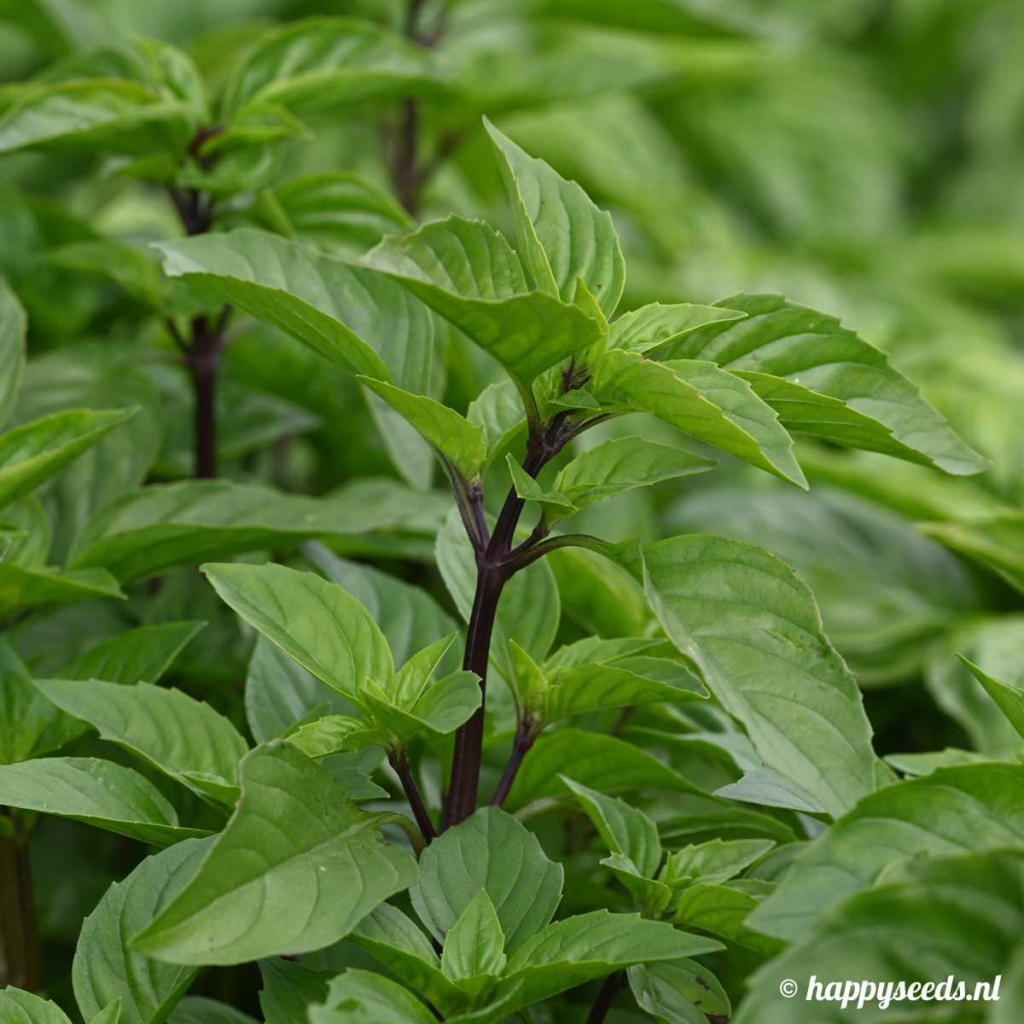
<point x="500" y="753"/>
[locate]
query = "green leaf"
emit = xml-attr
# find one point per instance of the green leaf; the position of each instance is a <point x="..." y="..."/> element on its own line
<point x="655" y="326"/>
<point x="723" y="910"/>
<point x="473" y="956"/>
<point x="96" y="792"/>
<point x="715" y="861"/>
<point x="498" y="412"/>
<point x="142" y="654"/>
<point x="333" y="734"/>
<point x="19" y="1007"/>
<point x="771" y="789"/>
<point x="36" y="451"/>
<point x="453" y="437"/>
<point x="622" y="464"/>
<point x="319" y="64"/>
<point x="745" y="619"/>
<point x="623" y="829"/>
<point x="127" y="266"/>
<point x="1009" y="699"/>
<point x="339" y="212"/>
<point x="198" y="1010"/>
<point x="174" y="733"/>
<point x="825" y="380"/>
<point x="327" y="631"/>
<point x="489" y="850"/>
<point x="29" y="724"/>
<point x="360" y="997"/>
<point x="703" y="401"/>
<point x="562" y="236"/>
<point x="21" y="589"/>
<point x="600" y="762"/>
<point x="166" y="525"/>
<point x="289" y="989"/>
<point x="13" y="328"/>
<point x="347" y="313"/>
<point x="620" y="682"/>
<point x="911" y="929"/>
<point x="93" y="115"/>
<point x="106" y="969"/>
<point x="994" y="541"/>
<point x="279" y="692"/>
<point x="295" y="834"/>
<point x="682" y="992"/>
<point x="110" y="1015"/>
<point x="408" y="616"/>
<point x="396" y="942"/>
<point x="466" y="272"/>
<point x="570" y="952"/>
<point x="553" y="504"/>
<point x="975" y="807"/>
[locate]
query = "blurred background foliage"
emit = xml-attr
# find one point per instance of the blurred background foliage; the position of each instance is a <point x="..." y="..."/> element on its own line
<point x="864" y="157"/>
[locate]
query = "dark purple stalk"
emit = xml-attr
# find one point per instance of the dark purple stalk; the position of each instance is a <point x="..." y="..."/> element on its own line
<point x="400" y="763"/>
<point x="612" y="986"/>
<point x="525" y="735"/>
<point x="19" y="945"/>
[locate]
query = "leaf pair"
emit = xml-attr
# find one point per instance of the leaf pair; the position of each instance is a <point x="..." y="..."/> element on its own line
<point x="333" y="636"/>
<point x="488" y="892"/>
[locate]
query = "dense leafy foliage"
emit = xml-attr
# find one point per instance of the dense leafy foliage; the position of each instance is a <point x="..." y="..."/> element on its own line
<point x="450" y="569"/>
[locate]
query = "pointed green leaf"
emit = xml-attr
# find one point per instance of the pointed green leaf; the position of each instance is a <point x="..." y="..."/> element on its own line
<point x="408" y="616"/>
<point x="13" y="327"/>
<point x="105" y="969"/>
<point x="1009" y="699"/>
<point x="995" y="541"/>
<point x="771" y="789"/>
<point x="393" y="939"/>
<point x="825" y="380"/>
<point x="360" y="997"/>
<point x="347" y="313"/>
<point x="320" y="64"/>
<point x="142" y="654"/>
<point x="36" y="451"/>
<point x="289" y="989"/>
<point x="554" y="505"/>
<point x="171" y="524"/>
<point x="975" y="807"/>
<point x="604" y="763"/>
<point x="568" y="953"/>
<point x="174" y="733"/>
<point x="683" y="992"/>
<point x="958" y="916"/>
<point x="21" y="589"/>
<point x="199" y="1010"/>
<point x="714" y="861"/>
<point x="724" y="910"/>
<point x="498" y="412"/>
<point x="110" y="1015"/>
<point x="623" y="829"/>
<point x="474" y="946"/>
<point x="452" y="436"/>
<point x="96" y="792"/>
<point x="752" y="627"/>
<point x="323" y="628"/>
<point x="93" y="115"/>
<point x="562" y="236"/>
<point x="20" y="1007"/>
<point x="492" y="851"/>
<point x="294" y="835"/>
<point x="465" y="271"/>
<point x="703" y="401"/>
<point x="656" y="326"/>
<point x="622" y="464"/>
<point x="620" y="683"/>
<point x="333" y="734"/>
